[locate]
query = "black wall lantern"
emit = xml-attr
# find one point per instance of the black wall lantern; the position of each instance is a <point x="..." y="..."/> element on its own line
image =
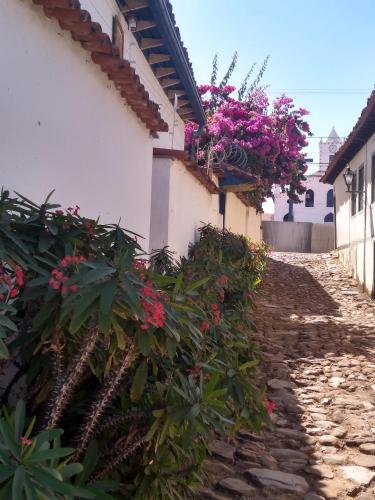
<point x="348" y="178"/>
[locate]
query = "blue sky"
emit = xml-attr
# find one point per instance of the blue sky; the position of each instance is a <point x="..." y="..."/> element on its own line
<point x="317" y="45"/>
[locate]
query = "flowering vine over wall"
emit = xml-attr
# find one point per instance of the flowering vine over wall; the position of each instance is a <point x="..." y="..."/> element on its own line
<point x="272" y="135"/>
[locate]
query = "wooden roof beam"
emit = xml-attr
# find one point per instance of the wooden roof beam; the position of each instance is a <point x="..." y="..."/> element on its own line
<point x="151" y="43"/>
<point x="132" y="5"/>
<point x="185" y="111"/>
<point x="145" y="25"/>
<point x="182" y="102"/>
<point x="161" y="72"/>
<point x="172" y="93"/>
<point x="158" y="58"/>
<point x="169" y="82"/>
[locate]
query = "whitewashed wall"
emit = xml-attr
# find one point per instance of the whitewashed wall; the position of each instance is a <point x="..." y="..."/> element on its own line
<point x="241" y="219"/>
<point x="63" y="124"/>
<point x="300" y="211"/>
<point x="355" y="246"/>
<point x="180" y="205"/>
<point x="102" y="11"/>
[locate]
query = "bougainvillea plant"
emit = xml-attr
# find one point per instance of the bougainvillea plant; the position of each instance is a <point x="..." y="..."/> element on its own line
<point x="271" y="135"/>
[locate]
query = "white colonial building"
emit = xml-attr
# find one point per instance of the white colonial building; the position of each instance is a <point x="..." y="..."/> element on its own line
<point x="317" y="204"/>
<point x="93" y="98"/>
<point x="355" y="204"/>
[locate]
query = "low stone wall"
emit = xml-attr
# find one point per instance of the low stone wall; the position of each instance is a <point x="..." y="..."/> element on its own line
<point x="304" y="237"/>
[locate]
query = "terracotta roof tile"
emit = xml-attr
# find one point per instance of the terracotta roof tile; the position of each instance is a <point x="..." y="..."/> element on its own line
<point x="78" y="21"/>
<point x="191" y="166"/>
<point x="360" y="134"/>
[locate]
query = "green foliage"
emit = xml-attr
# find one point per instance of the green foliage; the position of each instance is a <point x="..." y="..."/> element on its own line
<point x="139" y="364"/>
<point x="230" y="70"/>
<point x="38" y="467"/>
<point x="214" y="70"/>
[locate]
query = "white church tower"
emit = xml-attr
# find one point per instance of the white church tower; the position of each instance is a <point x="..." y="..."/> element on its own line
<point x="317" y="201"/>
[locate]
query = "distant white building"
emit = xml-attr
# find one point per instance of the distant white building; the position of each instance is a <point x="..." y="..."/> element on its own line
<point x="317" y="202"/>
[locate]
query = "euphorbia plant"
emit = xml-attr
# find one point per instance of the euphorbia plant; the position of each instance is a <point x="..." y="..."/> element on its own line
<point x="146" y="361"/>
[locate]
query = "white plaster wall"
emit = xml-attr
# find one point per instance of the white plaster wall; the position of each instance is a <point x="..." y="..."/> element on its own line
<point x="161" y="174"/>
<point x="301" y="212"/>
<point x="241" y="219"/>
<point x="350" y="229"/>
<point x="190" y="206"/>
<point x="102" y="11"/>
<point x="180" y="205"/>
<point x="65" y="127"/>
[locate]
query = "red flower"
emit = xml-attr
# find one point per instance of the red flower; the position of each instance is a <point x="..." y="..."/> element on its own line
<point x="194" y="371"/>
<point x="25" y="441"/>
<point x="270" y="405"/>
<point x="204" y="326"/>
<point x="223" y="280"/>
<point x="19" y="276"/>
<point x="65" y="269"/>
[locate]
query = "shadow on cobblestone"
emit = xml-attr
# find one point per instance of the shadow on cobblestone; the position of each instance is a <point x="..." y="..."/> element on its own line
<point x="317" y="333"/>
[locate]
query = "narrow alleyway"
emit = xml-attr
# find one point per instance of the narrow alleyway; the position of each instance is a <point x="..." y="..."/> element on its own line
<point x="317" y="331"/>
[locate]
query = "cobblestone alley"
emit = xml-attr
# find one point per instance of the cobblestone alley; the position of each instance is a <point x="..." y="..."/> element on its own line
<point x="317" y="331"/>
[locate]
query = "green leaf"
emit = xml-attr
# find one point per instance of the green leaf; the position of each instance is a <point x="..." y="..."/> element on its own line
<point x="18" y="483"/>
<point x="45" y="436"/>
<point x="248" y="364"/>
<point x="15" y="240"/>
<point x="71" y="470"/>
<point x="105" y="305"/>
<point x="4" y="353"/>
<point x="197" y="284"/>
<point x="52" y="227"/>
<point x="171" y="347"/>
<point x="8" y="323"/>
<point x="56" y="485"/>
<point x="178" y="284"/>
<point x="143" y="342"/>
<point x="30" y="490"/>
<point x="89" y="462"/>
<point x="194" y="412"/>
<point x="6" y="471"/>
<point x="120" y="334"/>
<point x="51" y="454"/>
<point x="7" y="307"/>
<point x="139" y="381"/>
<point x="97" y="274"/>
<point x="9" y="440"/>
<point x="43" y="280"/>
<point x="19" y="419"/>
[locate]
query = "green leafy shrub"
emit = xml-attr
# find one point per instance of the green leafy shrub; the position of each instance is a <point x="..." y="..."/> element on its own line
<point x="141" y="363"/>
<point x="33" y="468"/>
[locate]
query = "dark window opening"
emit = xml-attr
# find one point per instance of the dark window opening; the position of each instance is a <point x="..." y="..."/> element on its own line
<point x="361" y="186"/>
<point x="328" y="217"/>
<point x="222" y="201"/>
<point x="330" y="198"/>
<point x="309" y="198"/>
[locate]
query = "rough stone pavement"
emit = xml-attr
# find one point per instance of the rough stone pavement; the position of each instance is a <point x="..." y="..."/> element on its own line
<point x="317" y="331"/>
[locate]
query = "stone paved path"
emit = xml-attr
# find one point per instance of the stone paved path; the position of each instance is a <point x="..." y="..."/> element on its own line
<point x="317" y="331"/>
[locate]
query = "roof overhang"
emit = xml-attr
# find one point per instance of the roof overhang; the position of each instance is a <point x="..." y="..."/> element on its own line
<point x="160" y="41"/>
<point x="362" y="131"/>
<point x="104" y="53"/>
